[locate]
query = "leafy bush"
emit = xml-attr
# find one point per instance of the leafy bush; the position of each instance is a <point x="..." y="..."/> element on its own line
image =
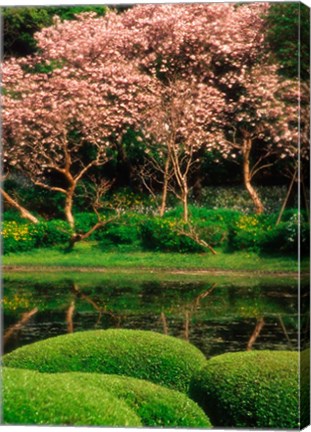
<point x="154" y="404"/>
<point x="260" y="233"/>
<point x="147" y="355"/>
<point x="43" y="399"/>
<point x="161" y="234"/>
<point x="17" y="237"/>
<point x="237" y="198"/>
<point x="126" y="230"/>
<point x="249" y="389"/>
<point x="21" y="237"/>
<point x="85" y="221"/>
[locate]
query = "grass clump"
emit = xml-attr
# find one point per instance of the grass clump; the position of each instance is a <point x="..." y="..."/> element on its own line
<point x="249" y="389"/>
<point x="43" y="399"/>
<point x="155" y="405"/>
<point x="164" y="360"/>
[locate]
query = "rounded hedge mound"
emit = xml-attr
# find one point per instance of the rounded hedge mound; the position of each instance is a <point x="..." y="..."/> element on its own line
<point x="42" y="399"/>
<point x="249" y="389"/>
<point x="305" y="388"/>
<point x="164" y="360"/>
<point x="155" y="405"/>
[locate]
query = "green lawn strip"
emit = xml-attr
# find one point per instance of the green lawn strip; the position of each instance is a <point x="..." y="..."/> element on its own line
<point x="31" y="398"/>
<point x="88" y="256"/>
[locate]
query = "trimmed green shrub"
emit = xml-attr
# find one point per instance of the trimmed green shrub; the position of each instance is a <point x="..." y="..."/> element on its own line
<point x="249" y="389"/>
<point x="161" y="359"/>
<point x="305" y="388"/>
<point x="154" y="404"/>
<point x="42" y="399"/>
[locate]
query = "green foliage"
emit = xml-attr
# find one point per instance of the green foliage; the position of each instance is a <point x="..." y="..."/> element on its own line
<point x="161" y="234"/>
<point x="147" y="355"/>
<point x="289" y="38"/>
<point x="238" y="199"/>
<point x="249" y="389"/>
<point x="43" y="399"/>
<point x="84" y="221"/>
<point x="305" y="388"/>
<point x="19" y="26"/>
<point x="156" y="406"/>
<point x="17" y="237"/>
<point x="260" y="233"/>
<point x="126" y="231"/>
<point x="21" y="237"/>
<point x="21" y="23"/>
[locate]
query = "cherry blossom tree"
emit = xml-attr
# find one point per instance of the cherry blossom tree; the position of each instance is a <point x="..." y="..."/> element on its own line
<point x="50" y="118"/>
<point x="185" y="120"/>
<point x="264" y="117"/>
<point x="177" y="46"/>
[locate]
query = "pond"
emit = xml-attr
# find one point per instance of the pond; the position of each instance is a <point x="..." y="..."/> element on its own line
<point x="217" y="314"/>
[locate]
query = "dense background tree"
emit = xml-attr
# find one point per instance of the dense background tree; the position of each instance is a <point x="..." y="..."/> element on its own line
<point x="182" y="52"/>
<point x="289" y="38"/>
<point x="21" y="23"/>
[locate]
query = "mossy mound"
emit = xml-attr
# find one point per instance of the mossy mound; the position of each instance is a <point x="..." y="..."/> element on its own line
<point x="249" y="389"/>
<point x="155" y="405"/>
<point x="42" y="399"/>
<point x="164" y="360"/>
<point x="305" y="388"/>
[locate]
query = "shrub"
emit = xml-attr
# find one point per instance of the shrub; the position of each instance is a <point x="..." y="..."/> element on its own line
<point x="43" y="399"/>
<point x="237" y="198"/>
<point x="147" y="355"/>
<point x="284" y="237"/>
<point x="126" y="230"/>
<point x="249" y="389"/>
<point x="305" y="388"/>
<point x="160" y="234"/>
<point x="17" y="237"/>
<point x="85" y="221"/>
<point x="154" y="404"/>
<point x="51" y="233"/>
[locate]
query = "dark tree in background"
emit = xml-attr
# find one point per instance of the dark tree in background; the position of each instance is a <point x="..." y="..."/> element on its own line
<point x="289" y="38"/>
<point x="21" y="23"/>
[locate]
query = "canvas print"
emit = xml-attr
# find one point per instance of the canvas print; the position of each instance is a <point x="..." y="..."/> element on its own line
<point x="155" y="223"/>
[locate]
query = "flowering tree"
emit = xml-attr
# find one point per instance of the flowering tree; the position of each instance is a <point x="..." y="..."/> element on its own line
<point x="186" y="120"/>
<point x="263" y="118"/>
<point x="50" y="118"/>
<point x="177" y="46"/>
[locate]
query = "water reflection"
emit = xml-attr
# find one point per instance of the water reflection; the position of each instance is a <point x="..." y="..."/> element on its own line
<point x="216" y="316"/>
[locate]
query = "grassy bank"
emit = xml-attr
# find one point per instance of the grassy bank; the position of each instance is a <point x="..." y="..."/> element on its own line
<point x="86" y="255"/>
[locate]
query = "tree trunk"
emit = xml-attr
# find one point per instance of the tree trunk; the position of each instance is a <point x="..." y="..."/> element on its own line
<point x="286" y="198"/>
<point x="247" y="146"/>
<point x="68" y="207"/>
<point x="185" y="201"/>
<point x="165" y="187"/>
<point x="24" y="213"/>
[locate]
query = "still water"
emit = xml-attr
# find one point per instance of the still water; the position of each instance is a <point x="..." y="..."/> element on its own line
<point x="217" y="314"/>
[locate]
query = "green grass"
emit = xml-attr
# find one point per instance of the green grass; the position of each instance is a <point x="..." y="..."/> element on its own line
<point x="89" y="256"/>
<point x="161" y="359"/>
